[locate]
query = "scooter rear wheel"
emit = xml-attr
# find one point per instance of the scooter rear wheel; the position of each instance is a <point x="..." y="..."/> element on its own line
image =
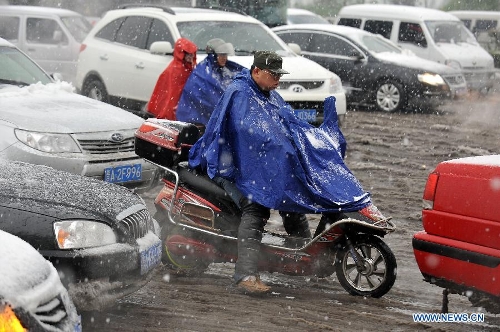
<point x="378" y="273"/>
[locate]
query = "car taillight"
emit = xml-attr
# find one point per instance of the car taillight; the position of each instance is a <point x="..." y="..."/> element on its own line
<point x="82" y="47"/>
<point x="430" y="191"/>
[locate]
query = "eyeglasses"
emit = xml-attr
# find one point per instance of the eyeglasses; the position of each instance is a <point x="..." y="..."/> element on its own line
<point x="274" y="75"/>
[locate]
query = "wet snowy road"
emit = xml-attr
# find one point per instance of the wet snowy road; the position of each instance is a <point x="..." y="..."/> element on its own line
<point x="391" y="154"/>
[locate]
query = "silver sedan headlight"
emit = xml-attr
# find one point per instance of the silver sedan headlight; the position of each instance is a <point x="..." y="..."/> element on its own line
<point x="431" y="79"/>
<point x="335" y="84"/>
<point x="47" y="142"/>
<point x="77" y="234"/>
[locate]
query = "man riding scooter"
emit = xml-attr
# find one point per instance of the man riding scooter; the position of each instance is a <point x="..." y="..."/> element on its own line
<point x="266" y="158"/>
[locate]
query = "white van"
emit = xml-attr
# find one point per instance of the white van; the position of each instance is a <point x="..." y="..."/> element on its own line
<point x="485" y="26"/>
<point x="430" y="34"/>
<point x="50" y="36"/>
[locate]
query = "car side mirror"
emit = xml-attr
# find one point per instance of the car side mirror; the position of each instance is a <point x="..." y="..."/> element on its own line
<point x="295" y="48"/>
<point x="161" y="48"/>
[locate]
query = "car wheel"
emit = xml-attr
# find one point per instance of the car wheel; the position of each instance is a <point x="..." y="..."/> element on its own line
<point x="95" y="89"/>
<point x="389" y="96"/>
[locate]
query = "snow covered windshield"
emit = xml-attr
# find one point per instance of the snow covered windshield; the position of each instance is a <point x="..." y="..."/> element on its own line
<point x="377" y="44"/>
<point x="17" y="69"/>
<point x="450" y="32"/>
<point x="245" y="37"/>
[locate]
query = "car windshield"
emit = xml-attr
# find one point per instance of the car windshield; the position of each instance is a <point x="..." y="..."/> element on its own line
<point x="16" y="68"/>
<point x="245" y="37"/>
<point x="378" y="44"/>
<point x="450" y="32"/>
<point x="78" y="26"/>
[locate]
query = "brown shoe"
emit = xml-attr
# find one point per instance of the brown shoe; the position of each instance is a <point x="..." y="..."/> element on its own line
<point x="253" y="284"/>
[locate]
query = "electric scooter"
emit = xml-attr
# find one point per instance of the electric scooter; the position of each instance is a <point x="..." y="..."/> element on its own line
<point x="200" y="223"/>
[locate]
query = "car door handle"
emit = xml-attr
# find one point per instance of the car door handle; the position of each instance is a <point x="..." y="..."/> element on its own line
<point x="139" y="65"/>
<point x="104" y="57"/>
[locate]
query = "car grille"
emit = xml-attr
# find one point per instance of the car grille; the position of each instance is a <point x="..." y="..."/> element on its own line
<point x="137" y="225"/>
<point x="308" y="85"/>
<point x="454" y="80"/>
<point x="52" y="314"/>
<point x="106" y="146"/>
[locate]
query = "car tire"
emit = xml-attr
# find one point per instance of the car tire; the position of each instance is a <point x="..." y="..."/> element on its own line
<point x="390" y="96"/>
<point x="95" y="89"/>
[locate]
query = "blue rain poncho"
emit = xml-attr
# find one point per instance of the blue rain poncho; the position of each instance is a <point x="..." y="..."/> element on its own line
<point x="203" y="89"/>
<point x="274" y="158"/>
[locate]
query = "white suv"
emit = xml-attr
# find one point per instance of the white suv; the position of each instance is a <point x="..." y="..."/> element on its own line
<point x="126" y="51"/>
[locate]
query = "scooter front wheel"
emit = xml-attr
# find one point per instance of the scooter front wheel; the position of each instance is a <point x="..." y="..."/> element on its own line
<point x="376" y="273"/>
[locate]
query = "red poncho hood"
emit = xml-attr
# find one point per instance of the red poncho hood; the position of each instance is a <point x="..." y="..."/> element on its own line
<point x="168" y="89"/>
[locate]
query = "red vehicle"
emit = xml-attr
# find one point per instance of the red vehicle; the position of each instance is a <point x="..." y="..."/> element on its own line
<point x="459" y="248"/>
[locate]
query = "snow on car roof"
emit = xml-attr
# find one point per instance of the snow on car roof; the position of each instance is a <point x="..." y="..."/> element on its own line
<point x="186" y="14"/>
<point x="341" y="29"/>
<point x="397" y="12"/>
<point x="478" y="14"/>
<point x="37" y="10"/>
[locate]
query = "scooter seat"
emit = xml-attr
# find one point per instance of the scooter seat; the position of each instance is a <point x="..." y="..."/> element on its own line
<point x="200" y="181"/>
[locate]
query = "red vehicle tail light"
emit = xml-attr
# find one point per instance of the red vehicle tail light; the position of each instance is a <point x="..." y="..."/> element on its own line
<point x="430" y="190"/>
<point x="82" y="47"/>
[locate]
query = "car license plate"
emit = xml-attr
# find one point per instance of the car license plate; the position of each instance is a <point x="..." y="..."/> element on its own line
<point x="150" y="257"/>
<point x="123" y="173"/>
<point x="306" y="115"/>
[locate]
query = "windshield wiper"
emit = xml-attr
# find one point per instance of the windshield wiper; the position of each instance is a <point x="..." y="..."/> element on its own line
<point x="12" y="82"/>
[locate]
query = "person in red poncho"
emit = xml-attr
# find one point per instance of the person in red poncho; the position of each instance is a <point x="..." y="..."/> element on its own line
<point x="168" y="89"/>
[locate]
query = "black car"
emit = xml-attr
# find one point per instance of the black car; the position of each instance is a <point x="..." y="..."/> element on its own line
<point x="99" y="236"/>
<point x="373" y="70"/>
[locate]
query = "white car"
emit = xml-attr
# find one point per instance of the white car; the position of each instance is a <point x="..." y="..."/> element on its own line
<point x="44" y="122"/>
<point x="126" y="51"/>
<point x="32" y="297"/>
